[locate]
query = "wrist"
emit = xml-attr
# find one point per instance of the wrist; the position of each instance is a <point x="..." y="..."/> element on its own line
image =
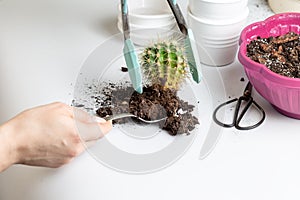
<point x="8" y="147"/>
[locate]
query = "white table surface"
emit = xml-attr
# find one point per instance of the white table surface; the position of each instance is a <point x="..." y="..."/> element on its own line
<point x="42" y="47"/>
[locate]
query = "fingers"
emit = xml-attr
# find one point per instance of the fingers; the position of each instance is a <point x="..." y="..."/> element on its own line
<point x="93" y="131"/>
<point x="105" y="126"/>
<point x="90" y="143"/>
<point x="90" y="128"/>
<point x="82" y="116"/>
<point x="86" y="118"/>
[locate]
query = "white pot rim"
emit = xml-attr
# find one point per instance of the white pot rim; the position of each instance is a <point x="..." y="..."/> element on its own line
<point x="165" y="15"/>
<point x="220" y="22"/>
<point x="222" y="1"/>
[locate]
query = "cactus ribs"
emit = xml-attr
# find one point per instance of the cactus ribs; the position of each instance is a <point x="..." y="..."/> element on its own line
<point x="155" y="102"/>
<point x="165" y="63"/>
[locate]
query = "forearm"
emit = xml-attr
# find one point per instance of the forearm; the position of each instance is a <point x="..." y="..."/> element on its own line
<point x="7" y="147"/>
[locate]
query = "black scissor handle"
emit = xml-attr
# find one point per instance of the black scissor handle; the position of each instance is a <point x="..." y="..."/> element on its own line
<point x="237" y="125"/>
<point x="238" y="116"/>
<point x="217" y="110"/>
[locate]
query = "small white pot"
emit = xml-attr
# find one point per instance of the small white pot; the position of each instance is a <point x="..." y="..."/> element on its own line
<point x="149" y="23"/>
<point x="143" y="36"/>
<point x="217" y="40"/>
<point x="215" y="56"/>
<point x="148" y="12"/>
<point x="217" y="29"/>
<point x="217" y="9"/>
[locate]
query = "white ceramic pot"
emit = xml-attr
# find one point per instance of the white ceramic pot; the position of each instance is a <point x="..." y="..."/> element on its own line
<point x="217" y="53"/>
<point x="148" y="12"/>
<point x="217" y="9"/>
<point x="217" y="40"/>
<point x="217" y="29"/>
<point x="149" y="22"/>
<point x="143" y="36"/>
<point x="280" y="6"/>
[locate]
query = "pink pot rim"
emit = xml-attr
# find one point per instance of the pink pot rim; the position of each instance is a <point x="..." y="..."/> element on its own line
<point x="250" y="32"/>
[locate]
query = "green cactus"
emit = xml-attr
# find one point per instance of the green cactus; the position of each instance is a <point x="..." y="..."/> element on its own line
<point x="165" y="63"/>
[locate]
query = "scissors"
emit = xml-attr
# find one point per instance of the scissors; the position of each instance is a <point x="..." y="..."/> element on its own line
<point x="131" y="57"/>
<point x="238" y="116"/>
<point x="190" y="47"/>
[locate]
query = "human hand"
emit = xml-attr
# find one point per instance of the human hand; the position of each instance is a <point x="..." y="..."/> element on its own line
<point x="51" y="135"/>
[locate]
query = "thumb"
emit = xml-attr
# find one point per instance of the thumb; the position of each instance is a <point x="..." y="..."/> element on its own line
<point x="94" y="130"/>
<point x="104" y="125"/>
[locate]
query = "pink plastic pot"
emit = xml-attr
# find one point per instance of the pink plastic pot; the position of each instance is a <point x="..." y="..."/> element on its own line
<point x="282" y="92"/>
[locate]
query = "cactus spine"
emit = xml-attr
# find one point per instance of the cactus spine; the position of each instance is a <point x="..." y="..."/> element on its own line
<point x="165" y="63"/>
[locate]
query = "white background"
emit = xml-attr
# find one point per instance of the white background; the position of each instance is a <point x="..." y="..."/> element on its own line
<point x="42" y="47"/>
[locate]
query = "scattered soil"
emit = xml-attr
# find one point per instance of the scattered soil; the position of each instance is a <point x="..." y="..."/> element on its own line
<point x="124" y="69"/>
<point x="155" y="102"/>
<point x="280" y="54"/>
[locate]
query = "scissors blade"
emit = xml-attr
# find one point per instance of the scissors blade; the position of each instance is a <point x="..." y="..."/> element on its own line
<point x="248" y="90"/>
<point x="178" y="16"/>
<point x="131" y="58"/>
<point x="211" y="140"/>
<point x="191" y="49"/>
<point x="125" y="18"/>
<point x="193" y="57"/>
<point x="133" y="66"/>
